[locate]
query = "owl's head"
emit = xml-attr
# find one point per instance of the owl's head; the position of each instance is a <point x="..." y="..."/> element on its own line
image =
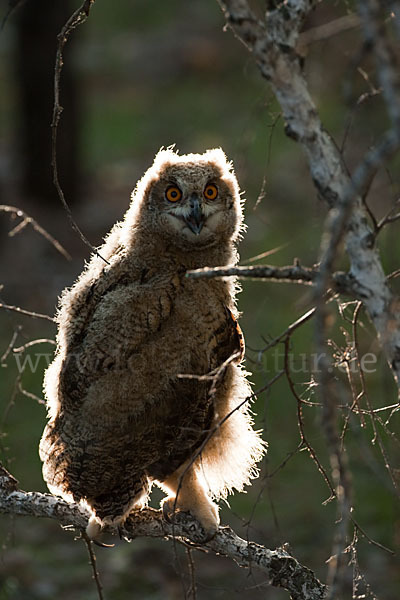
<point x="192" y="200"/>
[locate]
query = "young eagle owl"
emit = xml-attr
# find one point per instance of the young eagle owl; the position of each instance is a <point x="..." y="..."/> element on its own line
<point x="122" y="414"/>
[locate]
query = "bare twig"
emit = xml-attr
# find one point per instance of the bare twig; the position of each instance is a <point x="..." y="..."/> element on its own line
<point x="294" y="273"/>
<point x="29" y="313"/>
<point x="10" y="346"/>
<point x="370" y="411"/>
<point x="33" y="343"/>
<point x="77" y="18"/>
<point x="92" y="560"/>
<point x="6" y="412"/>
<point x="361" y="589"/>
<point x="390" y="217"/>
<point x="327" y="30"/>
<point x="303" y="319"/>
<point x="30" y="394"/>
<point x="328" y="393"/>
<point x="300" y="421"/>
<point x="264" y="254"/>
<point x="192" y="593"/>
<point x="27" y="220"/>
<point x="370" y="540"/>
<point x="373" y="14"/>
<point x="282" y="464"/>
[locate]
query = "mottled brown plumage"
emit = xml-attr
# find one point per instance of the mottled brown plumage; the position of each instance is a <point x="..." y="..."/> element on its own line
<point x="122" y="414"/>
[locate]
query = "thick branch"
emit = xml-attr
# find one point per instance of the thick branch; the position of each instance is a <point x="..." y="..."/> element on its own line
<point x="273" y="45"/>
<point x="281" y="569"/>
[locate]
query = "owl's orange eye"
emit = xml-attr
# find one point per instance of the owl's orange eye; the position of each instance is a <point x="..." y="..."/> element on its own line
<point x="210" y="191"/>
<point x="173" y="193"/>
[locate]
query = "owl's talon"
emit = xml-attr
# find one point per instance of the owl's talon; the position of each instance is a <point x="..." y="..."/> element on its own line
<point x="92" y="532"/>
<point x="167" y="512"/>
<point x="171" y="512"/>
<point x="209" y="535"/>
<point x="102" y="544"/>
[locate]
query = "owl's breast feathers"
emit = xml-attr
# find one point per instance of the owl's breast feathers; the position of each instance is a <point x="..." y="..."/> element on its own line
<point x="157" y="318"/>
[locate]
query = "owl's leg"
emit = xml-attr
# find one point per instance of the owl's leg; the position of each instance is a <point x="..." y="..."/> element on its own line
<point x="189" y="495"/>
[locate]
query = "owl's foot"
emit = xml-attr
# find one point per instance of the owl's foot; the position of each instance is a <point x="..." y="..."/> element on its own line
<point x="93" y="528"/>
<point x="187" y="494"/>
<point x="93" y="532"/>
<point x="202" y="509"/>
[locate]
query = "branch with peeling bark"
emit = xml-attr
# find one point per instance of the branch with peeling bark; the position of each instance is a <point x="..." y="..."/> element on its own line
<point x="280" y="568"/>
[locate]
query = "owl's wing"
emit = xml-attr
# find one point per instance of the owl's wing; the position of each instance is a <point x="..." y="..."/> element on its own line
<point x="227" y="342"/>
<point x="191" y="401"/>
<point x="122" y="321"/>
<point x="236" y="335"/>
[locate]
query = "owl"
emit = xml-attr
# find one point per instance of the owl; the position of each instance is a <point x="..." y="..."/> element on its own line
<point x="148" y="361"/>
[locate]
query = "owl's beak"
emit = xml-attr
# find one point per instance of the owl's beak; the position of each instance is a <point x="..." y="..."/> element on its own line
<point x="195" y="219"/>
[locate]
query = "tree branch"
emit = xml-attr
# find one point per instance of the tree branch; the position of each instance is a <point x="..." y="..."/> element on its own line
<point x="272" y="43"/>
<point x="281" y="569"/>
<point x="342" y="283"/>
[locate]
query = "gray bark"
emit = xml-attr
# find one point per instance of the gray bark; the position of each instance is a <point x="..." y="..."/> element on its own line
<point x="280" y="568"/>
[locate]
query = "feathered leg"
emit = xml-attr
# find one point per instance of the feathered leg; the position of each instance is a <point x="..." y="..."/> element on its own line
<point x="189" y="495"/>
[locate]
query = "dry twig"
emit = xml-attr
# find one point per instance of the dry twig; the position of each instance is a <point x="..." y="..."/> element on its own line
<point x="27" y="220"/>
<point x="77" y="18"/>
<point x="29" y="313"/>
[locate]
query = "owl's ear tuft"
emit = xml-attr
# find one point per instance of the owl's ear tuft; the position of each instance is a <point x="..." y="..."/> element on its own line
<point x="218" y="157"/>
<point x="165" y="157"/>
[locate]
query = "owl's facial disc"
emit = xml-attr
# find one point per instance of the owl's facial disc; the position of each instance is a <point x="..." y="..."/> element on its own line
<point x="193" y="206"/>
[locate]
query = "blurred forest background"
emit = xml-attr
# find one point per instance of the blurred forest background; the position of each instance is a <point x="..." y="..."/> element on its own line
<point x="138" y="75"/>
